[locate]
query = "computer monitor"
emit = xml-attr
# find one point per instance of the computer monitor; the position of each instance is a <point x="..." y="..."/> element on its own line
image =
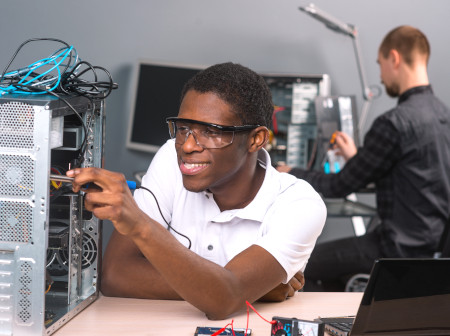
<point x="157" y="96"/>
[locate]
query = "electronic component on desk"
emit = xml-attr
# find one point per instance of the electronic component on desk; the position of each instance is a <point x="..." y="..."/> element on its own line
<point x="295" y="327"/>
<point x="206" y="331"/>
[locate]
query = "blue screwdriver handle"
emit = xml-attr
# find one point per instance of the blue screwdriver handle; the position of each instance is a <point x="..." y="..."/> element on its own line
<point x="63" y="178"/>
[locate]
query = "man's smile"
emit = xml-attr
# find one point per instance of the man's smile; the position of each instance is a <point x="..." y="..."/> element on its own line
<point x="191" y="168"/>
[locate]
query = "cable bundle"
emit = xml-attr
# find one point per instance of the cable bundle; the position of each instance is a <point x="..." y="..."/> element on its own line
<point x="60" y="73"/>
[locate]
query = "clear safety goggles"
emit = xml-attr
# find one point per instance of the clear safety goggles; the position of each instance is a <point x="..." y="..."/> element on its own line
<point x="206" y="135"/>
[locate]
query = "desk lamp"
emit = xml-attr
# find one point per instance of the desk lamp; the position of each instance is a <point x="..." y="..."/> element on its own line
<point x="349" y="30"/>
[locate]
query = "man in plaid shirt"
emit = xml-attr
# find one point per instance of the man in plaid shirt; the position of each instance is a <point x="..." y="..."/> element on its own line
<point x="406" y="153"/>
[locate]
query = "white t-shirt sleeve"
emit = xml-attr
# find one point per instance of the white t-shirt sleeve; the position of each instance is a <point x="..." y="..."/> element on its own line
<point x="292" y="226"/>
<point x="161" y="179"/>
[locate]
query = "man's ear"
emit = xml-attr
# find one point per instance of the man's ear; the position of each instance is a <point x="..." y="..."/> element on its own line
<point x="394" y="58"/>
<point x="258" y="138"/>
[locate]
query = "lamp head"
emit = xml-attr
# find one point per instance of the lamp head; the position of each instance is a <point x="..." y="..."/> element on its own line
<point x="329" y="21"/>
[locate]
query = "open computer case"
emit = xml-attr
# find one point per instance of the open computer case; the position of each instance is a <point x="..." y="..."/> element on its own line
<point x="50" y="247"/>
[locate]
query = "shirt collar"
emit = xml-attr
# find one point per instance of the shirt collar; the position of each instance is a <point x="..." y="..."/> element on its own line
<point x="415" y="90"/>
<point x="258" y="207"/>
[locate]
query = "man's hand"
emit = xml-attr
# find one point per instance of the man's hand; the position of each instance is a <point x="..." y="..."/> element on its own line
<point x="108" y="197"/>
<point x="283" y="291"/>
<point x="345" y="146"/>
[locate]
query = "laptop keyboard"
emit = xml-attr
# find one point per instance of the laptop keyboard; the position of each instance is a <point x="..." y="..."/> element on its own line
<point x="338" y="328"/>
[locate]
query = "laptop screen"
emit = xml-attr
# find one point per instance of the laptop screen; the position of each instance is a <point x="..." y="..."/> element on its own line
<point x="406" y="297"/>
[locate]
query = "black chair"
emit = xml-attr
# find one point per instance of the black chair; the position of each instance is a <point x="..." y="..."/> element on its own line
<point x="444" y="244"/>
<point x="358" y="282"/>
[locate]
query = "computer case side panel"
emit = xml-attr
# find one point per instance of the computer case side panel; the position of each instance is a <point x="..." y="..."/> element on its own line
<point x="49" y="245"/>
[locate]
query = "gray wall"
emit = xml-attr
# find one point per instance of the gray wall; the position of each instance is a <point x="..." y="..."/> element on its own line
<point x="265" y="35"/>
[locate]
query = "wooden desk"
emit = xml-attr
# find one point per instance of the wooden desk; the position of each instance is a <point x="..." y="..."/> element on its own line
<point x="119" y="316"/>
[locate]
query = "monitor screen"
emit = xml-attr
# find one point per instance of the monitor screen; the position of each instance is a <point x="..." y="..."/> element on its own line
<point x="157" y="96"/>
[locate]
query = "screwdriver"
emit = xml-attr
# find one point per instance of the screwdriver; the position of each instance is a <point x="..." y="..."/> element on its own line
<point x="63" y="178"/>
<point x="333" y="139"/>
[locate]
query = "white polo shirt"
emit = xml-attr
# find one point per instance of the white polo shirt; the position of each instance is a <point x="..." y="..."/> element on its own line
<point x="285" y="217"/>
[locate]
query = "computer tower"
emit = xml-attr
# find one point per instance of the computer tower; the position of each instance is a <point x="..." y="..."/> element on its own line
<point x="50" y="246"/>
<point x="294" y="120"/>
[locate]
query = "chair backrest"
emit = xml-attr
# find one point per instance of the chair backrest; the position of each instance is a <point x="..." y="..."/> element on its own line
<point x="444" y="244"/>
<point x="358" y="282"/>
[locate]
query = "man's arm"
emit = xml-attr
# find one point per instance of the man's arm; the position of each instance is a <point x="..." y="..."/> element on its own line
<point x="378" y="155"/>
<point x="127" y="273"/>
<point x="283" y="291"/>
<point x="218" y="291"/>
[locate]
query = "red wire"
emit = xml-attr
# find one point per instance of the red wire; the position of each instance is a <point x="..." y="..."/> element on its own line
<point x="218" y="332"/>
<point x="249" y="305"/>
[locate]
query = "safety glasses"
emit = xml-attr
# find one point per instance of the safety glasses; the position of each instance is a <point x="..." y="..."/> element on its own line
<point x="206" y="135"/>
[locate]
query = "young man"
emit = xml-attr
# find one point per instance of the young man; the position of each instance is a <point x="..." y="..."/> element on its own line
<point x="406" y="153"/>
<point x="216" y="224"/>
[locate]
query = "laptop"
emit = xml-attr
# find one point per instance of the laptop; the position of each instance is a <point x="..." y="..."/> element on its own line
<point x="402" y="297"/>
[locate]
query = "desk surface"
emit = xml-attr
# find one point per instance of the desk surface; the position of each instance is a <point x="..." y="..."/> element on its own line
<point x="119" y="316"/>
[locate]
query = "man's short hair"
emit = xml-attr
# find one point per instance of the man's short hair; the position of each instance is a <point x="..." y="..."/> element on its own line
<point x="244" y="90"/>
<point x="408" y="41"/>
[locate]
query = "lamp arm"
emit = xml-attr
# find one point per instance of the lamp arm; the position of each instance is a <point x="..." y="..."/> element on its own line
<point x="367" y="92"/>
<point x="348" y="30"/>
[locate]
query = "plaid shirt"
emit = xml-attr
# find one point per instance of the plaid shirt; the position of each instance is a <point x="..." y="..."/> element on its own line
<point x="380" y="152"/>
<point x="381" y="156"/>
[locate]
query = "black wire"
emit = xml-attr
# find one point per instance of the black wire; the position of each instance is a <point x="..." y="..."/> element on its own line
<point x="65" y="189"/>
<point x="21" y="46"/>
<point x="169" y="226"/>
<point x="69" y="82"/>
<point x="85" y="128"/>
<point x="73" y="82"/>
<point x="83" y="146"/>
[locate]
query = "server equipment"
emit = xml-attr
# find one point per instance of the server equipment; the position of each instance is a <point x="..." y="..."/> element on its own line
<point x="294" y="119"/>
